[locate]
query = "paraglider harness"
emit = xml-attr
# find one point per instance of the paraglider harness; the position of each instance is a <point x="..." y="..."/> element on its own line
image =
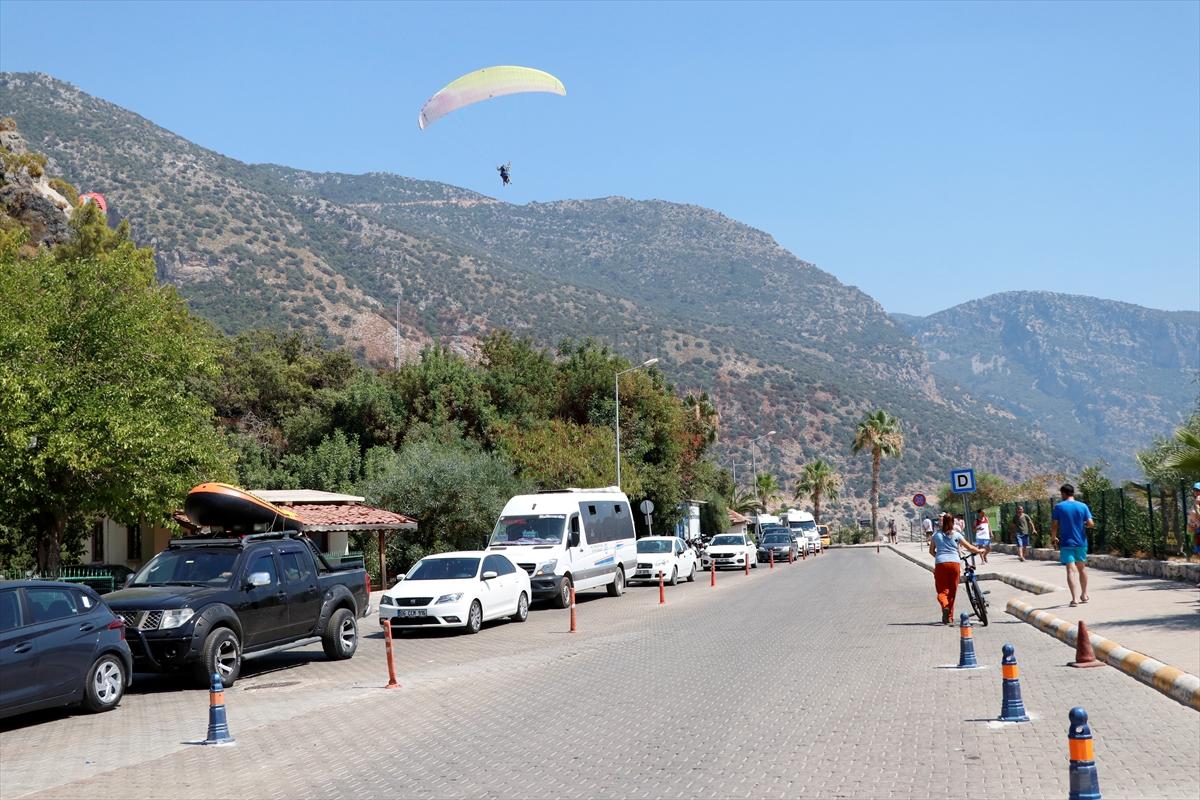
<point x="503" y="170"/>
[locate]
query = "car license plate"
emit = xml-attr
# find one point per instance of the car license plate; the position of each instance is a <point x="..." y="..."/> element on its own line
<point x="410" y="612"/>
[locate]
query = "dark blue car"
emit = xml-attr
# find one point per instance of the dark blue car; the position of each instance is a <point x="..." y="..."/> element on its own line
<point x="60" y="645"/>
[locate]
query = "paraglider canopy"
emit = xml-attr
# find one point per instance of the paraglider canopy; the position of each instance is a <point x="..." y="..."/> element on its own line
<point x="484" y="84"/>
<point x="94" y="197"/>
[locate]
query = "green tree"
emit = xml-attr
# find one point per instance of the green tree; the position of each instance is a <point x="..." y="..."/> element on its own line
<point x="454" y="488"/>
<point x="818" y="480"/>
<point x="990" y="490"/>
<point x="878" y="433"/>
<point x="1176" y="458"/>
<point x="704" y="414"/>
<point x="766" y="487"/>
<point x="743" y="501"/>
<point x="555" y="454"/>
<point x="100" y="408"/>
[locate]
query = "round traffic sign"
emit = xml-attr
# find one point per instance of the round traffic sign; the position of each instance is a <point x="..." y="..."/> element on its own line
<point x="647" y="507"/>
<point x="918" y="500"/>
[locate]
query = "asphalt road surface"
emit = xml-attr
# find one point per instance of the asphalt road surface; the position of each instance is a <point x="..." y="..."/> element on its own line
<point x="819" y="679"/>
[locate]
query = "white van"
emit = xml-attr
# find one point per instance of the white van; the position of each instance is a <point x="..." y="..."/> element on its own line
<point x="574" y="537"/>
<point x="802" y="524"/>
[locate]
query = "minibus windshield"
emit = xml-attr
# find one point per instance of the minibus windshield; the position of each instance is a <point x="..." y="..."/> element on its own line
<point x="529" y="529"/>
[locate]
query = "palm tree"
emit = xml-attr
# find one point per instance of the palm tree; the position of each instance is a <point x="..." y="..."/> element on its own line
<point x="1185" y="457"/>
<point x="743" y="501"/>
<point x="705" y="413"/>
<point x="880" y="433"/>
<point x="767" y="487"/>
<point x="818" y="479"/>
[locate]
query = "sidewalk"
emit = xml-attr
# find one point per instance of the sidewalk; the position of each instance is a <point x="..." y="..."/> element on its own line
<point x="1153" y="616"/>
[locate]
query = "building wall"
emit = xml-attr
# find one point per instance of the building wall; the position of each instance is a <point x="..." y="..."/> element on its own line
<point x="111" y="542"/>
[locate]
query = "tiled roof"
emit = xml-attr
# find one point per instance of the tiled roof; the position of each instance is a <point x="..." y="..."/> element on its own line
<point x="351" y="515"/>
<point x="336" y="516"/>
<point x="736" y="518"/>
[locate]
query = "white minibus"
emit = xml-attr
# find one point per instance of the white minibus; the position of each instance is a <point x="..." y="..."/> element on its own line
<point x="573" y="537"/>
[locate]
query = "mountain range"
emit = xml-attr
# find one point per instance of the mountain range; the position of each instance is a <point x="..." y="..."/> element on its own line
<point x="384" y="265"/>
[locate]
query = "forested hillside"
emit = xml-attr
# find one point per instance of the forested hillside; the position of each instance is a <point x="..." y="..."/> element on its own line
<point x="777" y="343"/>
<point x="1099" y="376"/>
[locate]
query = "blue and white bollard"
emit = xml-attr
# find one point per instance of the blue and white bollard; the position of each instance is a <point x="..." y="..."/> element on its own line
<point x="1085" y="783"/>
<point x="966" y="644"/>
<point x="1012" y="709"/>
<point x="218" y="727"/>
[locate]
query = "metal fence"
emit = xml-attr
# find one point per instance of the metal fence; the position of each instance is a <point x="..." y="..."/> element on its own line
<point x="1142" y="520"/>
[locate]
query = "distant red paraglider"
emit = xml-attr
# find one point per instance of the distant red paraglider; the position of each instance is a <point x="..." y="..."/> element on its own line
<point x="94" y="197"/>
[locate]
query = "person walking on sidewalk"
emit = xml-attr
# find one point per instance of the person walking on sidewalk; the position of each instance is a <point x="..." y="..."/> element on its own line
<point x="983" y="534"/>
<point x="944" y="547"/>
<point x="1068" y="530"/>
<point x="927" y="526"/>
<point x="892" y="530"/>
<point x="1025" y="529"/>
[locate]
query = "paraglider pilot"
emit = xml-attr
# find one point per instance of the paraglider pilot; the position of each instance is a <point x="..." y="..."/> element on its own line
<point x="503" y="170"/>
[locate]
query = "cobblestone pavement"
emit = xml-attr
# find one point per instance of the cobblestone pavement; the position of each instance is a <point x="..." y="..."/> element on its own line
<point x="1157" y="617"/>
<point x="819" y="679"/>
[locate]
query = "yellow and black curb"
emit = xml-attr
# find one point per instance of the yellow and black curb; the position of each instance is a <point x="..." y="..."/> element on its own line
<point x="1171" y="681"/>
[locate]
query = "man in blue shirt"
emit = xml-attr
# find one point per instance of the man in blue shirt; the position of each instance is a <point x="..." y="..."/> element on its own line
<point x="1069" y="523"/>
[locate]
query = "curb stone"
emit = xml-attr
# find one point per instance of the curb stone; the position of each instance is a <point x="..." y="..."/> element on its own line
<point x="1024" y="584"/>
<point x="1182" y="571"/>
<point x="1180" y="686"/>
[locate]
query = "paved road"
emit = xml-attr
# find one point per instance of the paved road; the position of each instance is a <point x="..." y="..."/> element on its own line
<point x="815" y="680"/>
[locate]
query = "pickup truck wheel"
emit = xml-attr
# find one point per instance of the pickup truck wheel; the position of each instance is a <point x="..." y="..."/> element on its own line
<point x="475" y="618"/>
<point x="105" y="684"/>
<point x="341" y="635"/>
<point x="617" y="587"/>
<point x="522" y="609"/>
<point x="222" y="654"/>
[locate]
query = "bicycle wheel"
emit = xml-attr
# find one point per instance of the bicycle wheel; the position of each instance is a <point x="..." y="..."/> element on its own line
<point x="978" y="603"/>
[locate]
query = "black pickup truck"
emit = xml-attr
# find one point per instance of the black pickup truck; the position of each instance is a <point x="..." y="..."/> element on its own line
<point x="206" y="604"/>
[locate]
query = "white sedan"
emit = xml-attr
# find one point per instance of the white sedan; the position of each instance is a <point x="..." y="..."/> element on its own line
<point x="731" y="550"/>
<point x="667" y="555"/>
<point x="460" y="590"/>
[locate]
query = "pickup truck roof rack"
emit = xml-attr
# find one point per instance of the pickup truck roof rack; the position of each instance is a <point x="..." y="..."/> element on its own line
<point x="240" y="541"/>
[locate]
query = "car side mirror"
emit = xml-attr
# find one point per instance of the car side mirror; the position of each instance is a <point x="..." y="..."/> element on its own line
<point x="491" y="573"/>
<point x="400" y="577"/>
<point x="128" y="580"/>
<point x="258" y="579"/>
<point x="573" y="539"/>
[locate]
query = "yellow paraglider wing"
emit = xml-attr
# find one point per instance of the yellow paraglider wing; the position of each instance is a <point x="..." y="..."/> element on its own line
<point x="484" y="84"/>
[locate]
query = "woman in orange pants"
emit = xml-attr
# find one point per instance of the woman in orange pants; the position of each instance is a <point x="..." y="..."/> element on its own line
<point x="944" y="547"/>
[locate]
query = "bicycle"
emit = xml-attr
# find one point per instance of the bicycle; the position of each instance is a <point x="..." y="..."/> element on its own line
<point x="979" y="603"/>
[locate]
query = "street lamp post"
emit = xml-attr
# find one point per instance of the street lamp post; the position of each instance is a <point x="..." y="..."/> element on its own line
<point x="754" y="465"/>
<point x="617" y="395"/>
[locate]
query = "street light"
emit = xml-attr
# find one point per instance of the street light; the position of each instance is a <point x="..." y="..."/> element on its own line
<point x="617" y="395"/>
<point x="754" y="466"/>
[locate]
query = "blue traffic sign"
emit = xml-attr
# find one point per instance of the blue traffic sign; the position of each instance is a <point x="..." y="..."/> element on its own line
<point x="962" y="481"/>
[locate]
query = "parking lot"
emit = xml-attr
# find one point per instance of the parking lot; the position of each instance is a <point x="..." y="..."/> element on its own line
<point x="817" y="679"/>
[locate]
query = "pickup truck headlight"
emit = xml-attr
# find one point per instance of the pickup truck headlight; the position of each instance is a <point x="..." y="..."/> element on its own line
<point x="547" y="568"/>
<point x="174" y="617"/>
<point x="449" y="598"/>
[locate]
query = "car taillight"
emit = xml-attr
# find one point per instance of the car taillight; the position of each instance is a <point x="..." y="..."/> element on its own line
<point x="117" y="625"/>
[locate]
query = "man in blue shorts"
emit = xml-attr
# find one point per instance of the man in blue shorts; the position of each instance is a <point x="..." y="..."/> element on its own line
<point x="1068" y="530"/>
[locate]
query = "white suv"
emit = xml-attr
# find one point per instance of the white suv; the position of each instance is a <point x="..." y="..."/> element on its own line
<point x="730" y="550"/>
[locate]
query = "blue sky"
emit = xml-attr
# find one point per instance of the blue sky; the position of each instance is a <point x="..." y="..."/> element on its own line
<point x="927" y="153"/>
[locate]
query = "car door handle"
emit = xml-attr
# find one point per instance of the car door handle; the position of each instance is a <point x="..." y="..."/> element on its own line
<point x="86" y="627"/>
<point x="23" y="647"/>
